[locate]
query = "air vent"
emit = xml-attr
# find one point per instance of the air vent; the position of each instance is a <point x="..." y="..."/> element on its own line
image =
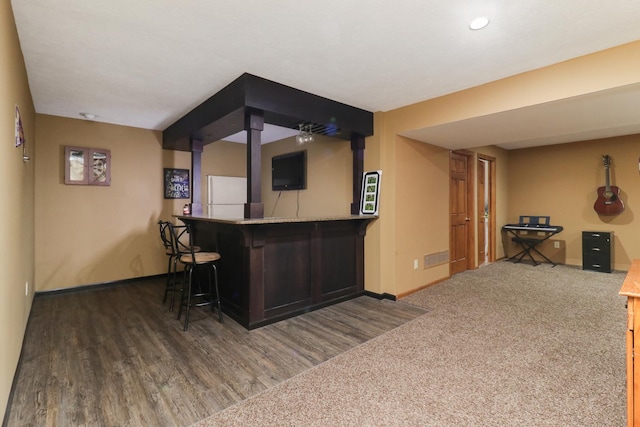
<point x="437" y="258"/>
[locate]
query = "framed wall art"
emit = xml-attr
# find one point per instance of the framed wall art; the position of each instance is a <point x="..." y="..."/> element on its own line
<point x="87" y="166"/>
<point x="370" y="195"/>
<point x="19" y="132"/>
<point x="176" y="183"/>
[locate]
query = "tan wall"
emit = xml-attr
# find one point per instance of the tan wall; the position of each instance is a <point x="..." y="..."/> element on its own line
<point x="562" y="181"/>
<point x="329" y="176"/>
<point x="114" y="228"/>
<point x="329" y="179"/>
<point x="380" y="231"/>
<point x="93" y="234"/>
<point x="414" y="218"/>
<point x="422" y="216"/>
<point x="608" y="69"/>
<point x="422" y="190"/>
<point x="17" y="207"/>
<point x="225" y="159"/>
<point x="398" y="237"/>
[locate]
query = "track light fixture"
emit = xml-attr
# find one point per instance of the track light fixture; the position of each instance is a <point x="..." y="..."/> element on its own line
<point x="305" y="135"/>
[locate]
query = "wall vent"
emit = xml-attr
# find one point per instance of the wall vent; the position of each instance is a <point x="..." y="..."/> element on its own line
<point x="437" y="258"/>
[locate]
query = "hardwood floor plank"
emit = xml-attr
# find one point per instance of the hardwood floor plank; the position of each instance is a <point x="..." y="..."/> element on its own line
<point x="117" y="356"/>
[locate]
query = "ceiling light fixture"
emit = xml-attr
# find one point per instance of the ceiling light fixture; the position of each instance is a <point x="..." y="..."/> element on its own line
<point x="305" y="135"/>
<point x="88" y="116"/>
<point x="479" y="23"/>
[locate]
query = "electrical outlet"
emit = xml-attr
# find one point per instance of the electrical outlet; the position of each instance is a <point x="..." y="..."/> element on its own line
<point x="26" y="288"/>
<point x="556" y="244"/>
<point x="415" y="264"/>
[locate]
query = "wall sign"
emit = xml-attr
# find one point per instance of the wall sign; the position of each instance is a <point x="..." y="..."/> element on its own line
<point x="19" y="129"/>
<point x="370" y="193"/>
<point x="176" y="183"/>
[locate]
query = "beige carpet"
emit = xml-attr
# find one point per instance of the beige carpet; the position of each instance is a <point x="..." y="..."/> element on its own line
<point x="505" y="345"/>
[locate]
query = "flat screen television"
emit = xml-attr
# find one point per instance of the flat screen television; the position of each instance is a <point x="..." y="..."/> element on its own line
<point x="289" y="171"/>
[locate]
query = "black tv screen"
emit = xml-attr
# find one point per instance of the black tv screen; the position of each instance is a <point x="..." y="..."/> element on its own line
<point x="289" y="171"/>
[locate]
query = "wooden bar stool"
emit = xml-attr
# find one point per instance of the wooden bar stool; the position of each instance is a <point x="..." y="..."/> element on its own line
<point x="198" y="295"/>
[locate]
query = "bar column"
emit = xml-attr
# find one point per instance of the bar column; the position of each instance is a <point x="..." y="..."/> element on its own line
<point x="253" y="125"/>
<point x="357" y="147"/>
<point x="196" y="176"/>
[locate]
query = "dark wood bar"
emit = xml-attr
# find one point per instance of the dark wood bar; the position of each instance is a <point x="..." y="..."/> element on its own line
<point x="275" y="268"/>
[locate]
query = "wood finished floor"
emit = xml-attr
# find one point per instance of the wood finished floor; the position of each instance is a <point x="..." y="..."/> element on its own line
<point x="117" y="357"/>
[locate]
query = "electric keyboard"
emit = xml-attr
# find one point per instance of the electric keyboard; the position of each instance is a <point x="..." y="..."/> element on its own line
<point x="534" y="227"/>
<point x="528" y="243"/>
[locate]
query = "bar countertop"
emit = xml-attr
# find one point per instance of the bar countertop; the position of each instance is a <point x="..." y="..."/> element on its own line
<point x="273" y="220"/>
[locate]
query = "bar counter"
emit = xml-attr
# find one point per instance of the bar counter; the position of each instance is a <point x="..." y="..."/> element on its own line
<point x="274" y="268"/>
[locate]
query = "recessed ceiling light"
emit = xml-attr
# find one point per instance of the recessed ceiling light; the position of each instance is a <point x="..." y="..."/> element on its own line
<point x="88" y="116"/>
<point x="479" y="23"/>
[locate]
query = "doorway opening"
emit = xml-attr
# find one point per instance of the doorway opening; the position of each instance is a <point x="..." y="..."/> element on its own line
<point x="486" y="206"/>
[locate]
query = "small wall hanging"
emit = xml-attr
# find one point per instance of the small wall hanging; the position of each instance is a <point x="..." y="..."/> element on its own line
<point x="19" y="129"/>
<point x="370" y="193"/>
<point x="176" y="183"/>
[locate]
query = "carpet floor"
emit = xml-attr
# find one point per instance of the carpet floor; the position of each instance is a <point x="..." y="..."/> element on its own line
<point x="505" y="345"/>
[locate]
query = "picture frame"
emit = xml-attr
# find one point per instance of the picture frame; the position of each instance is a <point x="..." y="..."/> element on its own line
<point x="19" y="130"/>
<point x="87" y="166"/>
<point x="176" y="183"/>
<point x="100" y="172"/>
<point x="370" y="195"/>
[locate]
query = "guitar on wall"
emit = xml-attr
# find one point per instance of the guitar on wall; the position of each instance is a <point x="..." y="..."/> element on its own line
<point x="608" y="202"/>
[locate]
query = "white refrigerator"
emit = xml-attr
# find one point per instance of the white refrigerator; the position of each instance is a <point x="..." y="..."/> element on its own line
<point x="226" y="196"/>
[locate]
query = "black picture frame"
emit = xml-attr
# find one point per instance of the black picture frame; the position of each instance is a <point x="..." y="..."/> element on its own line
<point x="370" y="194"/>
<point x="176" y="183"/>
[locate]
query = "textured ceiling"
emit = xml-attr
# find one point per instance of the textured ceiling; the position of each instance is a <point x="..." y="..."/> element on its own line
<point x="146" y="63"/>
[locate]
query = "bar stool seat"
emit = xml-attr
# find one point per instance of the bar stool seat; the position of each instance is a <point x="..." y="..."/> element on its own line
<point x="197" y="295"/>
<point x="200" y="257"/>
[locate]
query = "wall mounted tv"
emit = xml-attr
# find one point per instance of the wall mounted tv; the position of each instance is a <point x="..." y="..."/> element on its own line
<point x="289" y="171"/>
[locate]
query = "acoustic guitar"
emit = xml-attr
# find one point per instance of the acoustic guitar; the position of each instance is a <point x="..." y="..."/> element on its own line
<point x="609" y="201"/>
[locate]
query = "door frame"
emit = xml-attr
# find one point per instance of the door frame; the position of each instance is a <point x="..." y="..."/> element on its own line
<point x="492" y="205"/>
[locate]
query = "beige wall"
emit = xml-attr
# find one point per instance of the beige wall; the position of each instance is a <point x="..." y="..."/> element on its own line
<point x="17" y="207"/>
<point x="105" y="234"/>
<point x="421" y="204"/>
<point x="93" y="234"/>
<point x="225" y="159"/>
<point x="329" y="179"/>
<point x="562" y="180"/>
<point x="329" y="176"/>
<point x="422" y="190"/>
<point x="608" y="69"/>
<point x="402" y="233"/>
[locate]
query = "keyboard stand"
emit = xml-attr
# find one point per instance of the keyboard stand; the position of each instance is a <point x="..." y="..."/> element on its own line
<point x="529" y="244"/>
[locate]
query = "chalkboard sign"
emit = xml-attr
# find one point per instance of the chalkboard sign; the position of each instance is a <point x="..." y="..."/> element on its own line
<point x="176" y="183"/>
